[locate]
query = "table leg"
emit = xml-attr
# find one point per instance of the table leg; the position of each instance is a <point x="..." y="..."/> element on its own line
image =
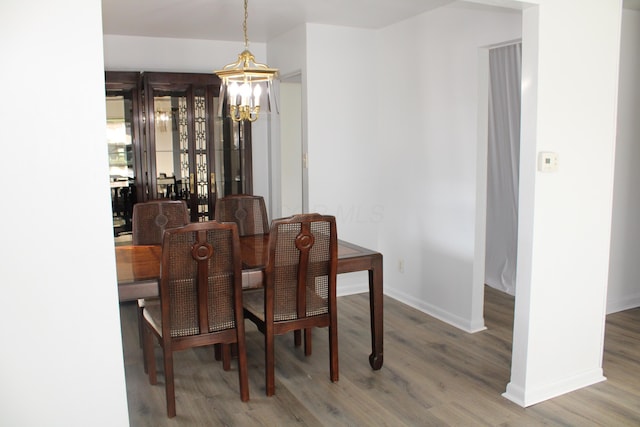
<point x="375" y="308"/>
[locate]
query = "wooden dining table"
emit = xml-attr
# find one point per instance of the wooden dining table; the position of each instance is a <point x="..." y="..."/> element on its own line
<point x="138" y="269"/>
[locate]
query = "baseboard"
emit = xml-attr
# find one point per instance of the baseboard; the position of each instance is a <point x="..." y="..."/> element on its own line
<point x="352" y="286"/>
<point x="433" y="311"/>
<point x="623" y="304"/>
<point x="352" y="289"/>
<point x="352" y="283"/>
<point x="527" y="397"/>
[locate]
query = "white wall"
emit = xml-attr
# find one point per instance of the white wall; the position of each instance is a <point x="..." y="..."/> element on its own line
<point x="337" y="132"/>
<point x="128" y="53"/>
<point x="342" y="130"/>
<point x="343" y="145"/>
<point x="624" y="269"/>
<point x="291" y="152"/>
<point x="570" y="76"/>
<point x="287" y="52"/>
<point x="417" y="157"/>
<point x="61" y="347"/>
<point x="428" y="140"/>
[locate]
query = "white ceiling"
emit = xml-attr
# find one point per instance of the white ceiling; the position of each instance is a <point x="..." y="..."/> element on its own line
<point x="222" y="19"/>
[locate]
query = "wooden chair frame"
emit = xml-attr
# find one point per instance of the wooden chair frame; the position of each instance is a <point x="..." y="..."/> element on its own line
<point x="264" y="318"/>
<point x="201" y="252"/>
<point x="151" y="233"/>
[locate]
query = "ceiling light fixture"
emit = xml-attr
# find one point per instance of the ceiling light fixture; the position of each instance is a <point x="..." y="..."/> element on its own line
<point x="242" y="81"/>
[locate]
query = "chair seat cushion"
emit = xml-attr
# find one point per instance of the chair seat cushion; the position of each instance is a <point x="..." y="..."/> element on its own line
<point x="253" y="302"/>
<point x="153" y="315"/>
<point x="146" y="302"/>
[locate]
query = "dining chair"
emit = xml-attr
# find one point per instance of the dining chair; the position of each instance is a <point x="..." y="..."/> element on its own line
<point x="151" y="218"/>
<point x="300" y="286"/>
<point x="200" y="300"/>
<point x="149" y="221"/>
<point x="247" y="211"/>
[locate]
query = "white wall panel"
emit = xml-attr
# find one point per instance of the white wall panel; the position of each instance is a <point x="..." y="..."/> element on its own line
<point x="62" y="358"/>
<point x="624" y="269"/>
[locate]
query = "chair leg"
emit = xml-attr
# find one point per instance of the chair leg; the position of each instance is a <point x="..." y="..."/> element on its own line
<point x="141" y="334"/>
<point x="140" y="326"/>
<point x="240" y="349"/>
<point x="169" y="383"/>
<point x="148" y="355"/>
<point x="333" y="352"/>
<point x="242" y="371"/>
<point x="297" y="340"/>
<point x="269" y="364"/>
<point x="307" y="342"/>
<point x="226" y="357"/>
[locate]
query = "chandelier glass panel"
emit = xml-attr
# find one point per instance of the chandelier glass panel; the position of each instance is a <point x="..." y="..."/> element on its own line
<point x="243" y="81"/>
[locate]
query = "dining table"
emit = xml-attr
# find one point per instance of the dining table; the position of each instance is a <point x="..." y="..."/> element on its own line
<point x="138" y="270"/>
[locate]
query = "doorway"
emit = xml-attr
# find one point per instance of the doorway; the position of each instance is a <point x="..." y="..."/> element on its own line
<point x="503" y="158"/>
<point x="293" y="179"/>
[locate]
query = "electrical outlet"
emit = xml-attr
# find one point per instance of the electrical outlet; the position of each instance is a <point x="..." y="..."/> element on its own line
<point x="401" y="265"/>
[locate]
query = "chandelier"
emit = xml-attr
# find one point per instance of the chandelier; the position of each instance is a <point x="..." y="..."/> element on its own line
<point x="242" y="82"/>
<point x="162" y="118"/>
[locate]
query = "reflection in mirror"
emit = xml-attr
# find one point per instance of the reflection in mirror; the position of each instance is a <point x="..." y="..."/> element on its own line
<point x="121" y="160"/>
<point x="231" y="167"/>
<point x="168" y="147"/>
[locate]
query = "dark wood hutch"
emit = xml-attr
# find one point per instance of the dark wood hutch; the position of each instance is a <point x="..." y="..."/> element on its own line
<point x="167" y="138"/>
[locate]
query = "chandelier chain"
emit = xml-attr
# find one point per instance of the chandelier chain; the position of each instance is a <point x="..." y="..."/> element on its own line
<point x="244" y="25"/>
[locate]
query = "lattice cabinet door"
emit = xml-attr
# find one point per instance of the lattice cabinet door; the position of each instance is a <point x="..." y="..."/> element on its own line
<point x="193" y="153"/>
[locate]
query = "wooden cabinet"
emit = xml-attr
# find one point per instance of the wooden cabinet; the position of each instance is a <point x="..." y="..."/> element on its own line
<point x="182" y="148"/>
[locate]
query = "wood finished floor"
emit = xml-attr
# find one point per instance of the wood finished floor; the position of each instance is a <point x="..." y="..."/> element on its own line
<point x="433" y="375"/>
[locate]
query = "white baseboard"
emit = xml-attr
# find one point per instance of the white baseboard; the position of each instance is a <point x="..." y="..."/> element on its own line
<point x="433" y="311"/>
<point x="527" y="397"/>
<point x="352" y="283"/>
<point x="627" y="303"/>
<point x="352" y="289"/>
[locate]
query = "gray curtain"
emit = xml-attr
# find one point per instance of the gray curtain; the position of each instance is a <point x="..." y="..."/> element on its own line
<point x="503" y="162"/>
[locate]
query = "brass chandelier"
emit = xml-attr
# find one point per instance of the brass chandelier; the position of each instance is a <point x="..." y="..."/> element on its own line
<point x="242" y="80"/>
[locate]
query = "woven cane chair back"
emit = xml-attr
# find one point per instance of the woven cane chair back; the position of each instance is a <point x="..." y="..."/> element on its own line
<point x="151" y="218"/>
<point x="247" y="211"/>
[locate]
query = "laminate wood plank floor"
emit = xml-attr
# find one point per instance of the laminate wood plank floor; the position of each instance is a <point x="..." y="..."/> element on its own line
<point x="433" y="375"/>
